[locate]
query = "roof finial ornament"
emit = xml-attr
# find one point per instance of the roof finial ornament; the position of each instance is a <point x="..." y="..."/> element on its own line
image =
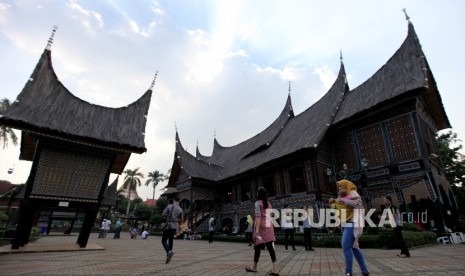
<point x="175" y="126"/>
<point x="153" y="82"/>
<point x="340" y="55"/>
<point x="406" y="15"/>
<point x="214" y="133"/>
<point x="50" y="40"/>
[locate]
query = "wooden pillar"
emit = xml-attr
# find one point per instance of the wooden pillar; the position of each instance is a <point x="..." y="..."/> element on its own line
<point x="87" y="226"/>
<point x="21" y="234"/>
<point x="287" y="182"/>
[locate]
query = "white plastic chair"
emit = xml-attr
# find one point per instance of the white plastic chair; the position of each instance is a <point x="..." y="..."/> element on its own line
<point x="443" y="240"/>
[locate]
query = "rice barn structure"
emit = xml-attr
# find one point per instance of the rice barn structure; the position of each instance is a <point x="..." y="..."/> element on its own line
<point x="74" y="145"/>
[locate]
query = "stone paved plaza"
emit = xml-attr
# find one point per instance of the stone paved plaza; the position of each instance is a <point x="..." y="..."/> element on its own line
<point x="146" y="257"/>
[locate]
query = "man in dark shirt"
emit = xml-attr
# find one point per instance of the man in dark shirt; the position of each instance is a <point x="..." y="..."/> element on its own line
<point x="404" y="253"/>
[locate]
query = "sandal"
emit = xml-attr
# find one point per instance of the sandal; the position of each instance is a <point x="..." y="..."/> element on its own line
<point x="248" y="269"/>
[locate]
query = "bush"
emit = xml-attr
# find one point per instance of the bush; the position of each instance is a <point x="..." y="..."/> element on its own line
<point x="384" y="239"/>
<point x="9" y="233"/>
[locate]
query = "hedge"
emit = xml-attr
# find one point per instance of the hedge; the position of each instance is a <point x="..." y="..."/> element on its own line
<point x="385" y="239"/>
<point x="9" y="233"/>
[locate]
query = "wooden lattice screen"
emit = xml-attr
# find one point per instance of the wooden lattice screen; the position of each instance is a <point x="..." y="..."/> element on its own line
<point x="346" y="151"/>
<point x="402" y="137"/>
<point x="69" y="175"/>
<point x="372" y="146"/>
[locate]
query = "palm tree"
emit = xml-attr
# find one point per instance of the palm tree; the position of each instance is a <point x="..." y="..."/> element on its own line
<point x="4" y="130"/>
<point x="154" y="177"/>
<point x="166" y="177"/>
<point x="131" y="181"/>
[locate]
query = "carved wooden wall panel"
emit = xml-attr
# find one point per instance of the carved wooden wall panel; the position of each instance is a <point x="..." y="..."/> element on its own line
<point x="372" y="146"/>
<point x="346" y="151"/>
<point x="308" y="176"/>
<point x="69" y="175"/>
<point x="402" y="138"/>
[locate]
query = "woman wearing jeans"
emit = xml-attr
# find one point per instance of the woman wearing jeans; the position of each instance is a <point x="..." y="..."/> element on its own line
<point x="346" y="216"/>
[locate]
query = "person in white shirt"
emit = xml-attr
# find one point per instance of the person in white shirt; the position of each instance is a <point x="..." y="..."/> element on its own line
<point x="106" y="227"/>
<point x="144" y="234"/>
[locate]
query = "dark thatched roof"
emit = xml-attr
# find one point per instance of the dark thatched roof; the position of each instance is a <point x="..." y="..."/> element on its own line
<point x="404" y="73"/>
<point x="109" y="196"/>
<point x="46" y="107"/>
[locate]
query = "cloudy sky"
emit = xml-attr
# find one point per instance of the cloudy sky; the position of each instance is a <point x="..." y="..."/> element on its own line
<point x="224" y="66"/>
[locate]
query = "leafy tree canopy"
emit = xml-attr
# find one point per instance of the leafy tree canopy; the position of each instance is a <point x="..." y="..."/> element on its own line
<point x="454" y="165"/>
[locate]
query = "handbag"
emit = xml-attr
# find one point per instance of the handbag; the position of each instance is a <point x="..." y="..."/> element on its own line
<point x="167" y="224"/>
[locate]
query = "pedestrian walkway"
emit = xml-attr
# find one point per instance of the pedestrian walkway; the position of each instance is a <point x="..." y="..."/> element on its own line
<point x="147" y="257"/>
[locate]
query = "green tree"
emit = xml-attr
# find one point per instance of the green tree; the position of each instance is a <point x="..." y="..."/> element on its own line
<point x="143" y="211"/>
<point x="454" y="166"/>
<point x="131" y="182"/>
<point x="162" y="202"/>
<point x="6" y="133"/>
<point x="155" y="177"/>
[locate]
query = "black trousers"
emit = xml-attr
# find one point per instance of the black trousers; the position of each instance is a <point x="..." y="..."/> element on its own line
<point x="167" y="239"/>
<point x="258" y="249"/>
<point x="400" y="238"/>
<point x="289" y="237"/>
<point x="210" y="237"/>
<point x="248" y="237"/>
<point x="308" y="238"/>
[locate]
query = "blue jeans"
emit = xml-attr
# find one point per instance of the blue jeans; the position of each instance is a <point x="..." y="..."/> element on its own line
<point x="167" y="239"/>
<point x="349" y="252"/>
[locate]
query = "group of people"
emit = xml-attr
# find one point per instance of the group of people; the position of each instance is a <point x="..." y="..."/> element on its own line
<point x="260" y="229"/>
<point x="104" y="228"/>
<point x="289" y="228"/>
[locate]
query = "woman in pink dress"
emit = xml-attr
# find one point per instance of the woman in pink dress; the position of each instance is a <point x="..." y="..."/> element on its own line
<point x="263" y="234"/>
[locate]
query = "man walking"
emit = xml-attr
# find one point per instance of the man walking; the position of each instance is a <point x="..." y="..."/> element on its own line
<point x="404" y="252"/>
<point x="173" y="214"/>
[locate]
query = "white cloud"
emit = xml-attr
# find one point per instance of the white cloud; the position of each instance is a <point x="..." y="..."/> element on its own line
<point x="222" y="66"/>
<point x="326" y="76"/>
<point x="4" y="7"/>
<point x="88" y="18"/>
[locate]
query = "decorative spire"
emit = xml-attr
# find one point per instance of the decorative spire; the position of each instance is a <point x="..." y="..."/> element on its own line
<point x="289" y="87"/>
<point x="340" y="55"/>
<point x="153" y="82"/>
<point x="406" y="15"/>
<point x="214" y="133"/>
<point x="50" y="40"/>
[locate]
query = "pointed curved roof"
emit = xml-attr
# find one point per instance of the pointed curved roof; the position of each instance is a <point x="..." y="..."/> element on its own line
<point x="46" y="107"/>
<point x="193" y="166"/>
<point x="109" y="196"/>
<point x="405" y="73"/>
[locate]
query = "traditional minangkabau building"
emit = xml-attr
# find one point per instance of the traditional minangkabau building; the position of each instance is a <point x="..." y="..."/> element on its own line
<point x="74" y="146"/>
<point x="381" y="134"/>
